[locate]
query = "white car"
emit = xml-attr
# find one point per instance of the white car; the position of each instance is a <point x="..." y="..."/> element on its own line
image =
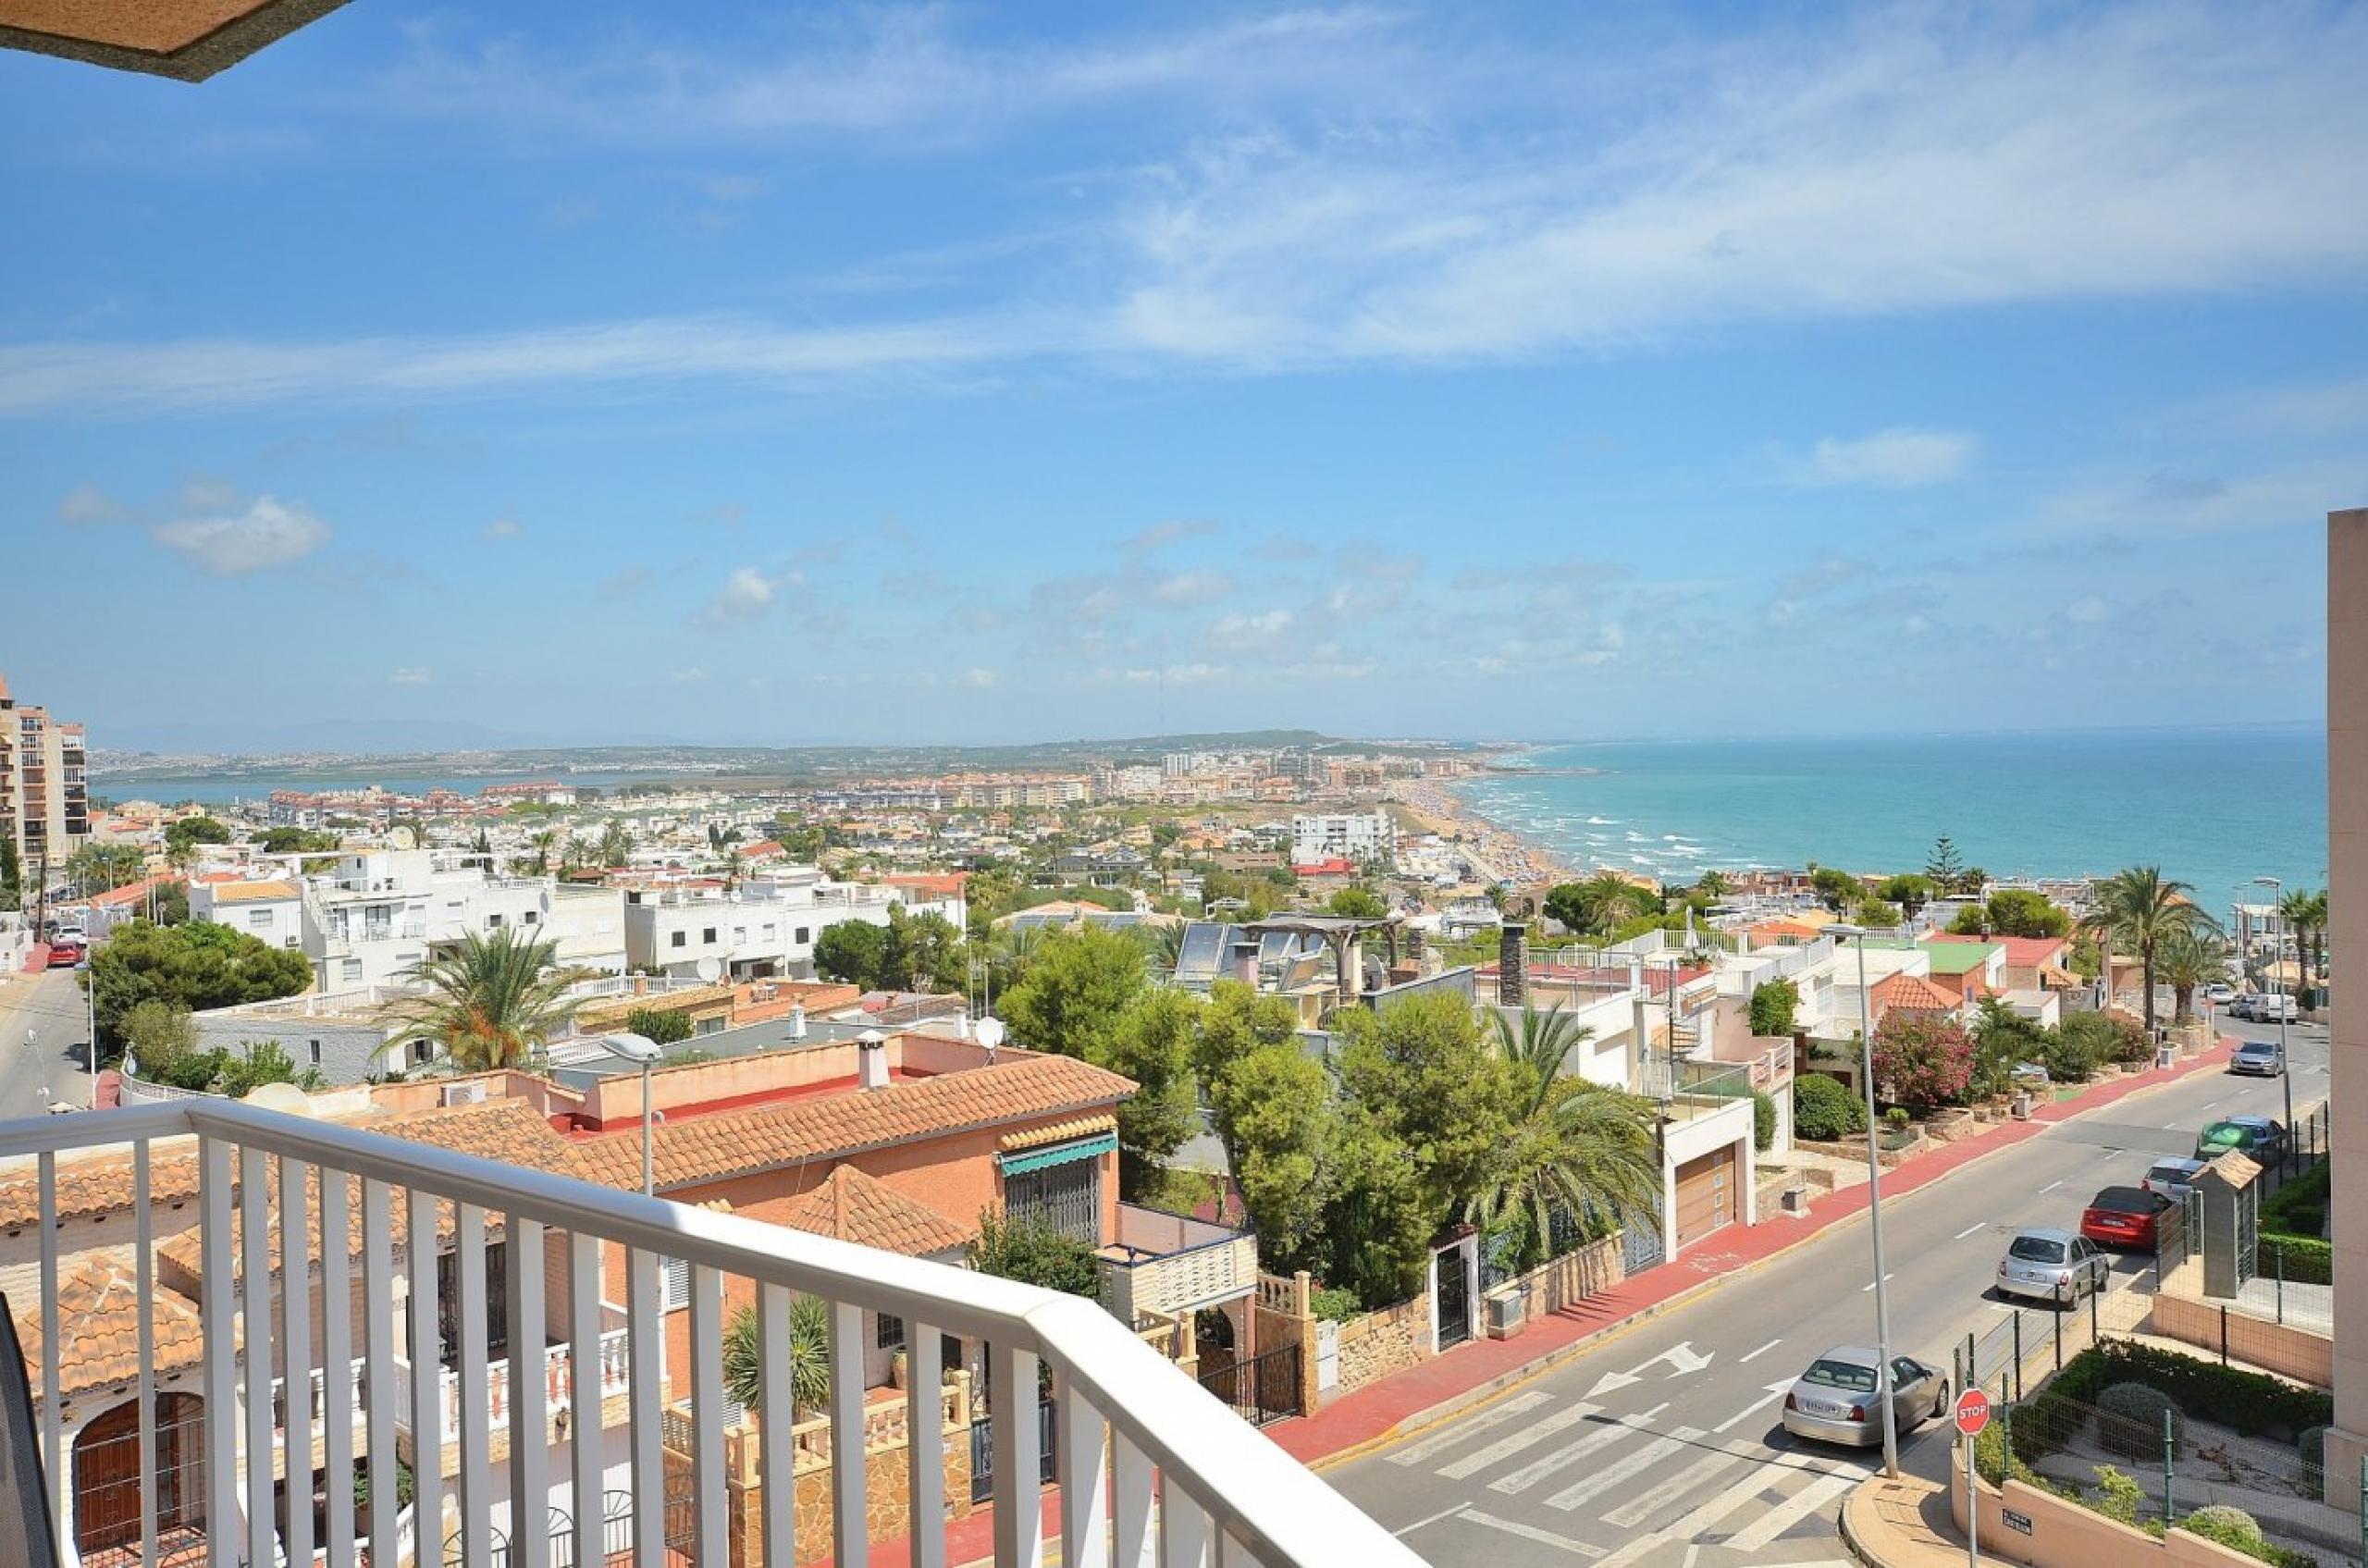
<point x="2221" y="995"/>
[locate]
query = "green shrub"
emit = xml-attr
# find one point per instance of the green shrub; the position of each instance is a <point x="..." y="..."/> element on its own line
<point x="2070" y="1057"/>
<point x="1334" y="1303"/>
<point x="2299" y="1208"/>
<point x="2313" y="1448"/>
<point x="2250" y="1403"/>
<point x="2300" y="1260"/>
<point x="2102" y="1037"/>
<point x="1763" y="1122"/>
<point x="2119" y="1496"/>
<point x="2229" y="1526"/>
<point x="2135" y="1413"/>
<point x="1823" y="1110"/>
<point x="1772" y="1007"/>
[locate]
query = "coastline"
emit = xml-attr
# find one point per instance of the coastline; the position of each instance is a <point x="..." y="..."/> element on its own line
<point x="1516" y="858"/>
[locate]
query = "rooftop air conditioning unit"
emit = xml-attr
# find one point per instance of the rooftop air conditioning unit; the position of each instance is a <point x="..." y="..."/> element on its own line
<point x="465" y="1093"/>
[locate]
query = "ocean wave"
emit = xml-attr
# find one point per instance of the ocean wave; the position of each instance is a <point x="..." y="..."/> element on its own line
<point x="1603" y="821"/>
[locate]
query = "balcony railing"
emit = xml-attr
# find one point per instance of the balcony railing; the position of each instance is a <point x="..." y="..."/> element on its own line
<point x="1152" y="1467"/>
<point x="501" y="1399"/>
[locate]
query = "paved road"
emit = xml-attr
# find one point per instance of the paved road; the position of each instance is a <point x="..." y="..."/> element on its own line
<point x="1663" y="1450"/>
<point x="49" y="1066"/>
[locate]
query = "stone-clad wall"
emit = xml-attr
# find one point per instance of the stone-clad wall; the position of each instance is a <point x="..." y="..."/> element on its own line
<point x="1382" y="1342"/>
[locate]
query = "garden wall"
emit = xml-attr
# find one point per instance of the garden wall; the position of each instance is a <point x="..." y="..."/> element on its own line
<point x="2282" y="1348"/>
<point x="1574" y="1276"/>
<point x="2066" y="1535"/>
<point x="1379" y="1343"/>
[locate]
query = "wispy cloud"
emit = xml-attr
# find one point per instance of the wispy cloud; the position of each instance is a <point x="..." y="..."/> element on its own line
<point x="504" y="527"/>
<point x="269" y="532"/>
<point x="86" y="505"/>
<point x="1897" y="459"/>
<point x="748" y="592"/>
<point x="409" y="676"/>
<point x="1186" y="588"/>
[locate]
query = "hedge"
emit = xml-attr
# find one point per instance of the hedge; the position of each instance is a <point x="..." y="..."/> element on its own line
<point x="2299" y="1207"/>
<point x="2298" y="1260"/>
<point x="1823" y="1110"/>
<point x="2249" y="1402"/>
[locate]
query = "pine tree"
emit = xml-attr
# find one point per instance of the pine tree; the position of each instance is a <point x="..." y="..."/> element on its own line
<point x="1946" y="868"/>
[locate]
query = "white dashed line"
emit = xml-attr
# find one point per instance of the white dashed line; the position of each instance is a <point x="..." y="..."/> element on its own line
<point x="1969" y="1229"/>
<point x="2050" y="1187"/>
<point x="1762" y="1350"/>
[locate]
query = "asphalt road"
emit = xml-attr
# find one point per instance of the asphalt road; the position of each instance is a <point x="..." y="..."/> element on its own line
<point x="43" y="1043"/>
<point x="1663" y="1449"/>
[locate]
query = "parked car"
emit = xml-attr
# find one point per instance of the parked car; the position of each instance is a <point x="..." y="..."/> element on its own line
<point x="2220" y="994"/>
<point x="2258" y="1058"/>
<point x="2173" y="1179"/>
<point x="1835" y="1401"/>
<point x="2259" y="1137"/>
<point x="2275" y="1007"/>
<point x="2242" y="1006"/>
<point x="2052" y="1265"/>
<point x="2123" y="1217"/>
<point x="65" y="954"/>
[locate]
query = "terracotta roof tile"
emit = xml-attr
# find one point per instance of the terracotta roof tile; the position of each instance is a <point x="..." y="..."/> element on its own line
<point x="101" y="1184"/>
<point x="1059" y="1132"/>
<point x="1020" y="1087"/>
<point x="98" y="1324"/>
<point x="1913" y="992"/>
<point x="855" y="1208"/>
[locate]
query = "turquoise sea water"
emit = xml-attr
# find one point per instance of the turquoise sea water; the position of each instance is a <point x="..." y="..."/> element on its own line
<point x="2213" y="807"/>
<point x="223" y="790"/>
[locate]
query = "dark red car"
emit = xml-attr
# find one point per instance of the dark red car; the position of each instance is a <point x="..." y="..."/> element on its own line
<point x="2123" y="1217"/>
<point x="65" y="955"/>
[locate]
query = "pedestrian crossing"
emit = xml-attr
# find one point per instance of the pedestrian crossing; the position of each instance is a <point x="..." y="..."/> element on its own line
<point x="1631" y="1490"/>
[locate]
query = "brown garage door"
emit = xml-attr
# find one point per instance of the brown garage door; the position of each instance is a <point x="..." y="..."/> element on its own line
<point x="1705" y="1195"/>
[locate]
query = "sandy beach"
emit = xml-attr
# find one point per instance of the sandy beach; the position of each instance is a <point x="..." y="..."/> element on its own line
<point x="1437" y="809"/>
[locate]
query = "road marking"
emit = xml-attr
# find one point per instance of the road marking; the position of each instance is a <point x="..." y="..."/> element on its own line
<point x="1429" y="1519"/>
<point x="1691" y="1526"/>
<point x="1775" y="1392"/>
<point x="1505" y="1448"/>
<point x="1611" y="1474"/>
<point x="1530" y="1533"/>
<point x="1979" y="1225"/>
<point x="1682" y="1359"/>
<point x="1791" y="1512"/>
<point x="2170" y="1127"/>
<point x="1414" y="1453"/>
<point x="1683" y="1483"/>
<point x="2050" y="1187"/>
<point x="1870" y="1284"/>
<point x="1567" y="1454"/>
<point x="1762" y="1351"/>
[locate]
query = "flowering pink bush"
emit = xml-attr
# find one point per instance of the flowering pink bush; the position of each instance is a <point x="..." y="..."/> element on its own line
<point x="1923" y="1060"/>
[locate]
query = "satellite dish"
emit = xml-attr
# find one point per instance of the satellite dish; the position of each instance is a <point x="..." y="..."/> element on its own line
<point x="991" y="1033"/>
<point x="709" y="969"/>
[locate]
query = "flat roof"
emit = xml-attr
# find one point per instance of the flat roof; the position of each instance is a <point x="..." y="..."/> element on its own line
<point x="188" y="39"/>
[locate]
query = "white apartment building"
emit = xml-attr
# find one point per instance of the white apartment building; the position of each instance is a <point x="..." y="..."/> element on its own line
<point x="45" y="810"/>
<point x="765" y="928"/>
<point x="381" y="911"/>
<point x="1346" y="835"/>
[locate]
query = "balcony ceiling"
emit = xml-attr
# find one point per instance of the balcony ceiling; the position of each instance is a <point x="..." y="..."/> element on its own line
<point x="189" y="39"/>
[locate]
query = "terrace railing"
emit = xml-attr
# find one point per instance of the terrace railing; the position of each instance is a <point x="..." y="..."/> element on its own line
<point x="1152" y="1468"/>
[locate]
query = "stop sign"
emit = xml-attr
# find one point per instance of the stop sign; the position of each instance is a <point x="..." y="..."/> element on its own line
<point x="1972" y="1412"/>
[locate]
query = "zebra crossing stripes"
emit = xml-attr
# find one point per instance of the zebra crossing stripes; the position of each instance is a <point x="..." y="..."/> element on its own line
<point x="1792" y="1511"/>
<point x="1438" y="1442"/>
<point x="1575" y="1496"/>
<point x="1506" y="1447"/>
<point x="1571" y="1453"/>
<point x="1680" y="1484"/>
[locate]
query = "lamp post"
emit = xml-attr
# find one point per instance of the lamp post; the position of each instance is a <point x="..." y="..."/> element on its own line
<point x="1857" y="935"/>
<point x="2277" y="984"/>
<point x="648" y="1052"/>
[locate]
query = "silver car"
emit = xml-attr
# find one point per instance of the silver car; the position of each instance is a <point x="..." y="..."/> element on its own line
<point x="2052" y="1265"/>
<point x="1835" y="1401"/>
<point x="2257" y="1058"/>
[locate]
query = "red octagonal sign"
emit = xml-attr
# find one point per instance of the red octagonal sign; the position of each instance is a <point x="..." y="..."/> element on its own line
<point x="1972" y="1412"/>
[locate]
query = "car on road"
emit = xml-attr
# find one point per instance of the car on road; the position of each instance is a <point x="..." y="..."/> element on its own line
<point x="2257" y="1058"/>
<point x="2052" y="1265"/>
<point x="1838" y="1401"/>
<point x="2123" y="1217"/>
<point x="65" y="954"/>
<point x="2260" y="1138"/>
<point x="2220" y="994"/>
<point x="2173" y="1179"/>
<point x="2242" y="1006"/>
<point x="2275" y="1007"/>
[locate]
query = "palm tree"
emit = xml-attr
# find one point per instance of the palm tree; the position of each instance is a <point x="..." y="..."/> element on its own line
<point x="493" y="1000"/>
<point x="616" y="845"/>
<point x="542" y="843"/>
<point x="2190" y="958"/>
<point x="2136" y="908"/>
<point x="808" y="1361"/>
<point x="1578" y="1148"/>
<point x="2303" y="913"/>
<point x="100" y="867"/>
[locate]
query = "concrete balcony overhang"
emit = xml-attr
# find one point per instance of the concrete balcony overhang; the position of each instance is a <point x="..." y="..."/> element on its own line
<point x="188" y="39"/>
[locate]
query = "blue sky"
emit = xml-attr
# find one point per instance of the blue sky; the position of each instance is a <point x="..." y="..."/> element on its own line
<point x="587" y="372"/>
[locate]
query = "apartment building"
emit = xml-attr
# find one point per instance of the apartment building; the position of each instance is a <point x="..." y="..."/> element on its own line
<point x="762" y="927"/>
<point x="1317" y="836"/>
<point x="44" y="804"/>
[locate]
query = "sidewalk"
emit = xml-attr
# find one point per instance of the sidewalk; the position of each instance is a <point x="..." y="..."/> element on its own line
<point x="1446" y="1386"/>
<point x="1901" y="1524"/>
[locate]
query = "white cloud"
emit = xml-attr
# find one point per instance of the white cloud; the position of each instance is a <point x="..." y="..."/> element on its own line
<point x="1192" y="588"/>
<point x="504" y="527"/>
<point x="979" y="678"/>
<point x="88" y="504"/>
<point x="689" y="677"/>
<point x="268" y="534"/>
<point x="409" y="676"/>
<point x="749" y="592"/>
<point x="2086" y="610"/>
<point x="1898" y="459"/>
<point x="1251" y="628"/>
<point x="206" y="492"/>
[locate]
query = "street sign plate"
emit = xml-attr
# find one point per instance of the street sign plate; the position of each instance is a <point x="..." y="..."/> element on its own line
<point x="1972" y="1412"/>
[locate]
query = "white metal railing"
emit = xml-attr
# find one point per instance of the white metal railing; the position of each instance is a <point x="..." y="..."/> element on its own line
<point x="1154" y="1468"/>
<point x="558" y="1361"/>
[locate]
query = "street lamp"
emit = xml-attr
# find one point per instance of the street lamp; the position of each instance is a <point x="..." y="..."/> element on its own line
<point x="1857" y="935"/>
<point x="2277" y="983"/>
<point x="646" y="1051"/>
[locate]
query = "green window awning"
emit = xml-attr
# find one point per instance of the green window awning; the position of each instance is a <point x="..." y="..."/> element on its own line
<point x="1058" y="1154"/>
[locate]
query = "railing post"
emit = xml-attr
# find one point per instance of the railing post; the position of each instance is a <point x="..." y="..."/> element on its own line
<point x="2058" y="1324"/>
<point x="2170" y="1470"/>
<point x="2277" y="1251"/>
<point x="2018" y="1353"/>
<point x="2224" y="1335"/>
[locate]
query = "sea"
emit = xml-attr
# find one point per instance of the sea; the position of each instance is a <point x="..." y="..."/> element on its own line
<point x="226" y="789"/>
<point x="2213" y="807"/>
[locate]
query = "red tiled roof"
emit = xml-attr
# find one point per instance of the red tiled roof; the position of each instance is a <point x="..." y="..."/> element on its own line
<point x="98" y="1325"/>
<point x="1914" y="992"/>
<point x="134" y="893"/>
<point x="855" y="1208"/>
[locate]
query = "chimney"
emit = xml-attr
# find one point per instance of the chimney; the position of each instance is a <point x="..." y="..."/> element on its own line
<point x="1414" y="945"/>
<point x="797" y="1021"/>
<point x="872" y="1059"/>
<point x="1512" y="977"/>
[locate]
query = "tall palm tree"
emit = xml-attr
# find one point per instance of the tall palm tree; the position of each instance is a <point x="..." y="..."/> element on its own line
<point x="2136" y="908"/>
<point x="2303" y="912"/>
<point x="491" y="1001"/>
<point x="1578" y="1147"/>
<point x="2191" y="959"/>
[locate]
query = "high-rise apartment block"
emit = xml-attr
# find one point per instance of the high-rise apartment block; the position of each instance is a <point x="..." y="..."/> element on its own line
<point x="44" y="806"/>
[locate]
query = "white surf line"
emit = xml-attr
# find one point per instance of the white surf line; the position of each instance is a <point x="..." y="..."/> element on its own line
<point x="1791" y="1512"/>
<point x="1505" y="1448"/>
<point x="1569" y="1454"/>
<point x="1978" y="1225"/>
<point x="1529" y="1532"/>
<point x="2051" y="1186"/>
<point x="1679" y="1484"/>
<point x="1427" y="1519"/>
<point x="1416" y="1453"/>
<point x="1611" y="1475"/>
<point x="1762" y="1351"/>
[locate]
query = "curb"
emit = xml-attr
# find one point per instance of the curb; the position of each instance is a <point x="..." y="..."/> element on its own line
<point x="1480" y="1394"/>
<point x="1850" y="1542"/>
